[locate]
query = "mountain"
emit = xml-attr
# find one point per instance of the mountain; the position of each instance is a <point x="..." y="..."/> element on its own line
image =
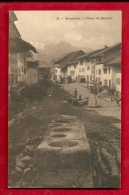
<point x="87" y="49"/>
<point x="41" y="56"/>
<point x="55" y="51"/>
<point x="52" y="52"/>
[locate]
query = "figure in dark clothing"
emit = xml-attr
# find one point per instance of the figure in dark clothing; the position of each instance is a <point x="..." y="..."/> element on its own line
<point x="75" y="93"/>
<point x="80" y="97"/>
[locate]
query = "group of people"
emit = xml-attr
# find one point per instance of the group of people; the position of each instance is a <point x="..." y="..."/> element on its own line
<point x="76" y="93"/>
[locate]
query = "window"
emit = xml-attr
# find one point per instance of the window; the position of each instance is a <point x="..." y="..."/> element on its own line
<point x="118" y="81"/>
<point x="88" y="67"/>
<point x="82" y="69"/>
<point x="90" y="77"/>
<point x="79" y="69"/>
<point x="105" y="82"/>
<point x="109" y="70"/>
<point x="88" y="60"/>
<point x="98" y="80"/>
<point x="74" y="66"/>
<point x="22" y="68"/>
<point x="105" y="70"/>
<point x="72" y="72"/>
<point x="87" y="77"/>
<point x="99" y="71"/>
<point x="81" y="62"/>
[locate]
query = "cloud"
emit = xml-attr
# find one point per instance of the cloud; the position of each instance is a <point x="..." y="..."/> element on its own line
<point x="41" y="27"/>
<point x="72" y="36"/>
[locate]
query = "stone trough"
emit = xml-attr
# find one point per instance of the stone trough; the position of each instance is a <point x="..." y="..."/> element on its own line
<point x="63" y="158"/>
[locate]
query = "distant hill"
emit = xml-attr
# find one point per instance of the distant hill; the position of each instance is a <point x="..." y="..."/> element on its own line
<point x="55" y="51"/>
<point x="40" y="56"/>
<point x="52" y="52"/>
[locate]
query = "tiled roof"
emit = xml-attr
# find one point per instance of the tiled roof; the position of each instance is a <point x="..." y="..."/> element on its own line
<point x="68" y="58"/>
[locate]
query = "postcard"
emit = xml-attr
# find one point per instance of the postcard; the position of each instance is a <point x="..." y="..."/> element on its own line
<point x="64" y="94"/>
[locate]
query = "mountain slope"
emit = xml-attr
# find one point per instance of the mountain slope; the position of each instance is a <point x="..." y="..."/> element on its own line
<point x="55" y="51"/>
<point x="52" y="52"/>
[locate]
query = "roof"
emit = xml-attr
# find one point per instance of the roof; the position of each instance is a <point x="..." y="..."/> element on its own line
<point x="61" y="57"/>
<point x="68" y="58"/>
<point x="90" y="53"/>
<point x="29" y="54"/>
<point x="109" y="57"/>
<point x="107" y="49"/>
<point x="72" y="62"/>
<point x="12" y="27"/>
<point x="18" y="45"/>
<point x="12" y="16"/>
<point x="116" y="59"/>
<point x="43" y="64"/>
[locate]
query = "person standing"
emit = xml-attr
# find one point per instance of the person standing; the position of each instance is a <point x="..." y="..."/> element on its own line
<point x="75" y="93"/>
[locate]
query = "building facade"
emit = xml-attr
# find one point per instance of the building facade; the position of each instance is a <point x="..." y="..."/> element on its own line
<point x="86" y="67"/>
<point x="102" y="65"/>
<point x="18" y="52"/>
<point x="108" y="63"/>
<point x="22" y="62"/>
<point x="65" y="67"/>
<point x="13" y="68"/>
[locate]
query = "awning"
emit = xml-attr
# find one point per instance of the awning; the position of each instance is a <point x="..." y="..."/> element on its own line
<point x="18" y="45"/>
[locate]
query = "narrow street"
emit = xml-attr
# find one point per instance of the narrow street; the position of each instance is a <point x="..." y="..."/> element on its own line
<point x="98" y="123"/>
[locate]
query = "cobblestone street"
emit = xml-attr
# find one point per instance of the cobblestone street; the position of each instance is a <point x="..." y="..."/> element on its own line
<point x="105" y="107"/>
<point x="101" y="131"/>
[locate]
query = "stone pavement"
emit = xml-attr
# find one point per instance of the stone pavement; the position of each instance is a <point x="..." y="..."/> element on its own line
<point x="65" y="151"/>
<point x="105" y="107"/>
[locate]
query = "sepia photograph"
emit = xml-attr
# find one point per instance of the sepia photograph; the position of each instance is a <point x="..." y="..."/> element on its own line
<point x="64" y="99"/>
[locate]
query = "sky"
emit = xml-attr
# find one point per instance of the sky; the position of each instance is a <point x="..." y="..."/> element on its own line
<point x="92" y="29"/>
